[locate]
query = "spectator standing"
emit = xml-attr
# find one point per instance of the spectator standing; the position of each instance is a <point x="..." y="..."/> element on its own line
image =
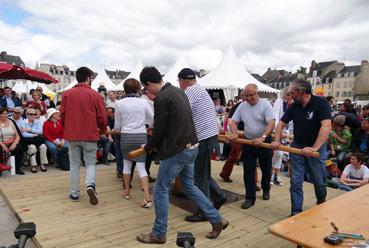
<point x="83" y="116"/>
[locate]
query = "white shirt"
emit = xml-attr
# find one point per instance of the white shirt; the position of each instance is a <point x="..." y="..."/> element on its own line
<point x="131" y="115"/>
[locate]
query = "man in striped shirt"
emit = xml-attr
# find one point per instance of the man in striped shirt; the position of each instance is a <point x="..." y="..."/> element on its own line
<point x="204" y="118"/>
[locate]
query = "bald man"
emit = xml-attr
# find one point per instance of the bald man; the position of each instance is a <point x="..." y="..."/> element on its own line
<point x="259" y="120"/>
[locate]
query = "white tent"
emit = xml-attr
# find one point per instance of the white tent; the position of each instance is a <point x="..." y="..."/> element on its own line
<point x="135" y="73"/>
<point x="102" y="77"/>
<point x="69" y="86"/>
<point x="230" y="75"/>
<point x="172" y="75"/>
<point x="21" y="86"/>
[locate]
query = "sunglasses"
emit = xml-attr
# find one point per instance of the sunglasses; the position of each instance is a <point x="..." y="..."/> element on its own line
<point x="31" y="114"/>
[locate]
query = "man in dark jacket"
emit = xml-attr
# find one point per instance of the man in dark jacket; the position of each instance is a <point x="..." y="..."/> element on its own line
<point x="9" y="101"/>
<point x="174" y="138"/>
<point x="360" y="139"/>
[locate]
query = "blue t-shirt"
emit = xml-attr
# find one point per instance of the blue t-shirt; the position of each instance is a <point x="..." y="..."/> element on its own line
<point x="307" y="121"/>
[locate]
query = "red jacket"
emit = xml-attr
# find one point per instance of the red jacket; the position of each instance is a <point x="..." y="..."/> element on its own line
<point x="83" y="114"/>
<point x="51" y="132"/>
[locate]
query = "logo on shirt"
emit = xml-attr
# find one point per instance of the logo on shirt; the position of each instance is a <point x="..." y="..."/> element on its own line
<point x="309" y="115"/>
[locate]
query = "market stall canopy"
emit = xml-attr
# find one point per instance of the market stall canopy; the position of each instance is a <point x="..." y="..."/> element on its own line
<point x="172" y="75"/>
<point x="102" y="77"/>
<point x="135" y="73"/>
<point x="23" y="87"/>
<point x="230" y="73"/>
<point x="8" y="71"/>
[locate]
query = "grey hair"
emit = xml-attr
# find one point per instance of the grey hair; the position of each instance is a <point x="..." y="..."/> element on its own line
<point x="302" y="86"/>
<point x="253" y="85"/>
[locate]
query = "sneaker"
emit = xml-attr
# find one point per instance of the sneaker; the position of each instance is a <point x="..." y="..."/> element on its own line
<point x="73" y="198"/>
<point x="277" y="181"/>
<point x="92" y="194"/>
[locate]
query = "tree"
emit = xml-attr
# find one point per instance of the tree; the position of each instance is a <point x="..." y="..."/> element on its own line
<point x="301" y="70"/>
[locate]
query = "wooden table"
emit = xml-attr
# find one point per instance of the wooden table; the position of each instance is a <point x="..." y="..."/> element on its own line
<point x="349" y="211"/>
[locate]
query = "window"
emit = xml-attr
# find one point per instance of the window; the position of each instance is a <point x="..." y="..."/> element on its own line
<point x="337" y="94"/>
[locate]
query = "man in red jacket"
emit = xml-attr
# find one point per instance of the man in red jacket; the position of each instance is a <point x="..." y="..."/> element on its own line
<point x="83" y="116"/>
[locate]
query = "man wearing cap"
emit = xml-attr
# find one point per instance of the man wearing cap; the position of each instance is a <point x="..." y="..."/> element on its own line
<point x="205" y="120"/>
<point x="84" y="117"/>
<point x="311" y="116"/>
<point x="174" y="138"/>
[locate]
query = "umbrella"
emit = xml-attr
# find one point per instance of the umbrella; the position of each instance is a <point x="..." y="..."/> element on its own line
<point x="8" y="71"/>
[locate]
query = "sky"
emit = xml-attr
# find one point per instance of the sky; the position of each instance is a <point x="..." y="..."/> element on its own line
<point x="115" y="34"/>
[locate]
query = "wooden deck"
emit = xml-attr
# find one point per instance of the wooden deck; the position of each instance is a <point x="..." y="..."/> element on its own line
<point x="115" y="222"/>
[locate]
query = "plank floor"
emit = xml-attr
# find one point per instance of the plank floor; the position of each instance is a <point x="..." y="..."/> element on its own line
<point x="115" y="222"/>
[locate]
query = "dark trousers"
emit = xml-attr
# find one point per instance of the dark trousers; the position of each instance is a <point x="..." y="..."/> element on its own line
<point x="251" y="155"/>
<point x="232" y="159"/>
<point x="202" y="170"/>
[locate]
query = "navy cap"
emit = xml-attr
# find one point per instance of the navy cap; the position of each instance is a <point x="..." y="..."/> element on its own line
<point x="187" y="73"/>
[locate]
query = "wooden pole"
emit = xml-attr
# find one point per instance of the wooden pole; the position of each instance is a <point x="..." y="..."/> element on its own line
<point x="269" y="146"/>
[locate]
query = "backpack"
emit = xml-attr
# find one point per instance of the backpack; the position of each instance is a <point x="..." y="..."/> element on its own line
<point x="62" y="158"/>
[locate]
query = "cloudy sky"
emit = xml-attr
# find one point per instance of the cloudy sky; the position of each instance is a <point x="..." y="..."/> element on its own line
<point x="115" y="34"/>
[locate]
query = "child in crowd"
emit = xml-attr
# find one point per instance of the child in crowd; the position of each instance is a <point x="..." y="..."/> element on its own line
<point x="354" y="175"/>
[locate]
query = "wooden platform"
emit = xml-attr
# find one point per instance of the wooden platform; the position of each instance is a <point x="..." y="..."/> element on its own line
<point x="115" y="222"/>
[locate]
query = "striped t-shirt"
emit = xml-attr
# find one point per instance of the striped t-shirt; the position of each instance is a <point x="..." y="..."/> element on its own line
<point x="203" y="112"/>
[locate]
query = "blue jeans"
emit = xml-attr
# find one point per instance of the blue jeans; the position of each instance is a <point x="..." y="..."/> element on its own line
<point x="52" y="148"/>
<point x="88" y="150"/>
<point x="251" y="154"/>
<point x="105" y="144"/>
<point x="118" y="154"/>
<point x="182" y="165"/>
<point x="336" y="181"/>
<point x="316" y="169"/>
<point x="202" y="170"/>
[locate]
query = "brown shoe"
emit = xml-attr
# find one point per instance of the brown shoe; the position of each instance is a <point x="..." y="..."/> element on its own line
<point x="217" y="228"/>
<point x="148" y="238"/>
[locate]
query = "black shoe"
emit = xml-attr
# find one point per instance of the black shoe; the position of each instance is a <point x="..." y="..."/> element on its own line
<point x="74" y="198"/>
<point x="218" y="204"/>
<point x="318" y="202"/>
<point x="266" y="195"/>
<point x="19" y="172"/>
<point x="257" y="188"/>
<point x="195" y="218"/>
<point x="226" y="179"/>
<point x="247" y="204"/>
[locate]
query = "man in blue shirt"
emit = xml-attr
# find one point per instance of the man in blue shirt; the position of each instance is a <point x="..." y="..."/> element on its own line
<point x="311" y="116"/>
<point x="9" y="101"/>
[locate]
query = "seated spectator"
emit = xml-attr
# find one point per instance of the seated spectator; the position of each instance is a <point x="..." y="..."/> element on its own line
<point x="10" y="141"/>
<point x="360" y="139"/>
<point x="17" y="116"/>
<point x="40" y="117"/>
<point x="355" y="174"/>
<point x="53" y="132"/>
<point x="36" y="101"/>
<point x="34" y="141"/>
<point x="347" y="119"/>
<point x="48" y="102"/>
<point x="105" y="142"/>
<point x="364" y="113"/>
<point x="9" y="101"/>
<point x="339" y="142"/>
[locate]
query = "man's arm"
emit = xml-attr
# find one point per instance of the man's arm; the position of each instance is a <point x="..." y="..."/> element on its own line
<point x="323" y="134"/>
<point x="278" y="133"/>
<point x="266" y="133"/>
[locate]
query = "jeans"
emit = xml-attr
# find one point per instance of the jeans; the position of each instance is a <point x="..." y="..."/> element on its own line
<point x="182" y="165"/>
<point x="105" y="144"/>
<point x="317" y="172"/>
<point x="202" y="170"/>
<point x="52" y="148"/>
<point x="88" y="150"/>
<point x="336" y="181"/>
<point x="118" y="153"/>
<point x="250" y="155"/>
